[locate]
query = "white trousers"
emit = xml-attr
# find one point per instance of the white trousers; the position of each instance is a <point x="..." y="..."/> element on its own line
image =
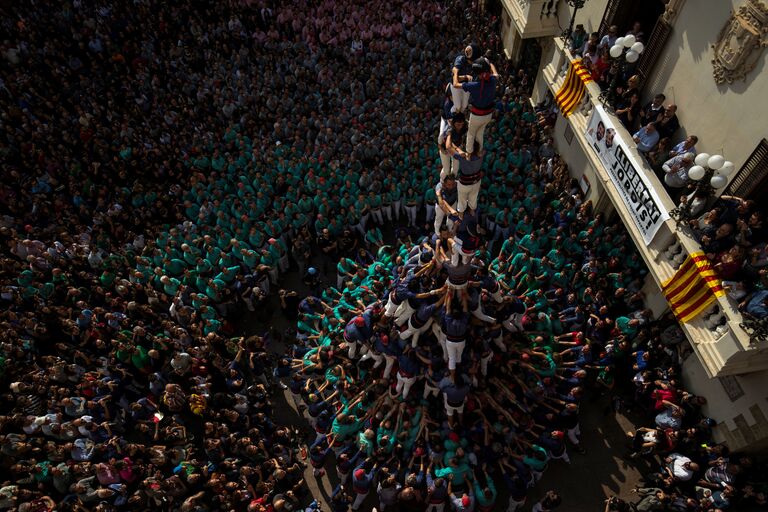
<point x="403" y="313"/>
<point x="513" y="505"/>
<point x="390" y="364"/>
<point x="514" y="323"/>
<point x="404" y="384"/>
<point x="440" y="338"/>
<point x="391" y="307"/>
<point x="414" y="333"/>
<point x="436" y="507"/>
<point x="396" y="208"/>
<point x="480" y="315"/>
<point x="457" y="253"/>
<point x="412" y="211"/>
<point x="454" y="350"/>
<point x="476" y="130"/>
<point x="467" y="196"/>
<point x="440" y="215"/>
<point x="446" y="164"/>
<point x="564" y="457"/>
<point x="573" y="434"/>
<point x="429" y="390"/>
<point x="377" y="216"/>
<point x="460" y="99"/>
<point x="378" y="358"/>
<point x="359" y="499"/>
<point x="430" y="211"/>
<point x="484" y="363"/>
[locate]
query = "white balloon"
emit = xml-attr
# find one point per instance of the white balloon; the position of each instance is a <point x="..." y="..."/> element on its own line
<point x="718" y="181"/>
<point x="715" y="162"/>
<point x="619" y="41"/>
<point x="696" y="172"/>
<point x="629" y="40"/>
<point x="702" y="159"/>
<point x="638" y="47"/>
<point x="632" y="56"/>
<point x="616" y="50"/>
<point x="727" y="168"/>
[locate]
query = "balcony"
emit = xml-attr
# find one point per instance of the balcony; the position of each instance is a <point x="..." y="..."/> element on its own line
<point x="722" y="346"/>
<point x="533" y="18"/>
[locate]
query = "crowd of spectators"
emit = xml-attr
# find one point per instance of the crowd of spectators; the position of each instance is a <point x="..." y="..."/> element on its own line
<point x="729" y="229"/>
<point x="159" y="163"/>
<point x="164" y="166"/>
<point x="444" y="374"/>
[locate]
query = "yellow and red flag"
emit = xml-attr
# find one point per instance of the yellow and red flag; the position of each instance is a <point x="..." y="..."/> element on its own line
<point x="693" y="288"/>
<point x="572" y="91"/>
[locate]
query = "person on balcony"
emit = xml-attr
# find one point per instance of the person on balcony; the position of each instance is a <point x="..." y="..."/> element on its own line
<point x="686" y="146"/>
<point x="589" y="48"/>
<point x="653" y="109"/>
<point x="676" y="174"/>
<point x="646" y="138"/>
<point x="578" y="37"/>
<point x="637" y="31"/>
<point x="609" y="39"/>
<point x="756" y="304"/>
<point x="668" y="123"/>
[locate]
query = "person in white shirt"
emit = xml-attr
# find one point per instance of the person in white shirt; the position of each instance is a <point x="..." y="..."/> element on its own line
<point x="680" y="467"/>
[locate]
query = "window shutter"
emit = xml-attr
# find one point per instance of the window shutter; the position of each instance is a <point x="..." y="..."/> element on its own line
<point x="653" y="49"/>
<point x="608" y="16"/>
<point x="752" y="173"/>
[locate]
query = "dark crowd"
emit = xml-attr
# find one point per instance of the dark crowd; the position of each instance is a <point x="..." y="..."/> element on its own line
<point x="165" y="166"/>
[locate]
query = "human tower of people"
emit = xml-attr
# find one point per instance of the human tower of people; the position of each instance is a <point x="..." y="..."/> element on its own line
<point x="440" y="370"/>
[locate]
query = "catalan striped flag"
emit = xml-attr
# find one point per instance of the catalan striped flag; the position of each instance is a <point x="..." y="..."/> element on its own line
<point x="693" y="287"/>
<point x="572" y="91"/>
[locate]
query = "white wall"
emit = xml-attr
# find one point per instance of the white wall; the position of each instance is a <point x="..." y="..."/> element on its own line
<point x="578" y="165"/>
<point x="720" y="407"/>
<point x="728" y="119"/>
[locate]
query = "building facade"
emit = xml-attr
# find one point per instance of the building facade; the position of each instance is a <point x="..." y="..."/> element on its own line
<point x="709" y="58"/>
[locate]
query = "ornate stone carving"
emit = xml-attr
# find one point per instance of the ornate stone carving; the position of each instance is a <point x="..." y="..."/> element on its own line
<point x="740" y="43"/>
<point x="671" y="10"/>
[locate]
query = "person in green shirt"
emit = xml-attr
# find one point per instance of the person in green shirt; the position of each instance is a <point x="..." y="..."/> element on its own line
<point x="374" y="239"/>
<point x="170" y="285"/>
<point x="411" y="205"/>
<point x="458" y="470"/>
<point x="345" y="270"/>
<point x="485" y="496"/>
<point x="430" y="200"/>
<point x="396" y="194"/>
<point x="375" y="204"/>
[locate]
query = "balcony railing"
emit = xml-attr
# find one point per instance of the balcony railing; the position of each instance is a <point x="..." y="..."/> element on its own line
<point x="534" y="18"/>
<point x="716" y="335"/>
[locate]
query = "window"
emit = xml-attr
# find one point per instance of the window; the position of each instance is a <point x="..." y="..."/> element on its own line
<point x="752" y="179"/>
<point x="656" y="30"/>
<point x="731" y="387"/>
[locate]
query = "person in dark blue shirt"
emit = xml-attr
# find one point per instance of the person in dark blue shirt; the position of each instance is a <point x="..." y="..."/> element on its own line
<point x="340" y="500"/>
<point x="462" y="66"/>
<point x="482" y="98"/>
<point x="409" y="369"/>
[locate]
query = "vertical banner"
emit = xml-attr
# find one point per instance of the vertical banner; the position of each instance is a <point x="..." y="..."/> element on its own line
<point x="626" y="173"/>
<point x="693" y="288"/>
<point x="572" y="91"/>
